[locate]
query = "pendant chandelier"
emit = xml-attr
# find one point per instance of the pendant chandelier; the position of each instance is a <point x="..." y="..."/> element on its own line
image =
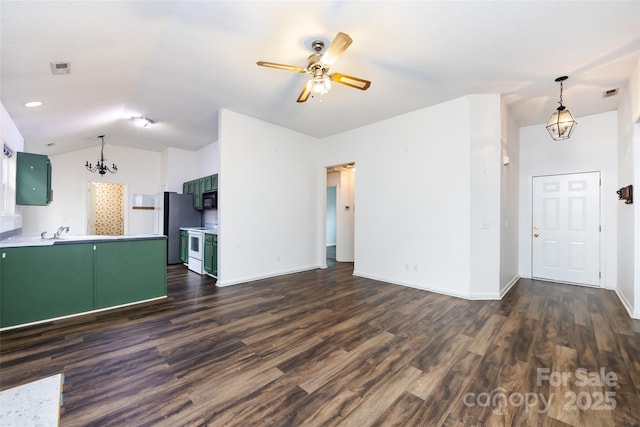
<point x="561" y="124"/>
<point x="100" y="166"/>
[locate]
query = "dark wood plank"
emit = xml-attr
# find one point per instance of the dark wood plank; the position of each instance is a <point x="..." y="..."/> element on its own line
<point x="326" y="348"/>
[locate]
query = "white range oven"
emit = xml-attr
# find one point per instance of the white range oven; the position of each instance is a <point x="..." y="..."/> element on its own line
<point x="196" y="249"/>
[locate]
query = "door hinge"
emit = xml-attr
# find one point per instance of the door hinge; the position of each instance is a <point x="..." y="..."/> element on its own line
<point x="600" y="228"/>
<point x="599" y="274"/>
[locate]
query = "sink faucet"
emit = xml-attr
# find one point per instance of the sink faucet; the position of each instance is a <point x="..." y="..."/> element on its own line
<point x="43" y="234"/>
<point x="60" y="230"/>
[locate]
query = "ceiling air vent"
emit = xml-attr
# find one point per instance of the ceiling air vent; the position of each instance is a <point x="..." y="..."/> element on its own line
<point x="610" y="92"/>
<point x="58" y="68"/>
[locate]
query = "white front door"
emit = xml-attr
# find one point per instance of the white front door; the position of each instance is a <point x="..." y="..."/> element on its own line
<point x="566" y="228"/>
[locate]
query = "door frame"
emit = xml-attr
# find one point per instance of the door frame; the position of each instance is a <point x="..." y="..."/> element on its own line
<point x="601" y="234"/>
<point x="342" y="236"/>
<point x="125" y="207"/>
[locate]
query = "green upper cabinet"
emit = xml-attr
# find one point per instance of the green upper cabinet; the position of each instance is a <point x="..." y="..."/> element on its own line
<point x="33" y="179"/>
<point x="199" y="186"/>
<point x="210" y="183"/>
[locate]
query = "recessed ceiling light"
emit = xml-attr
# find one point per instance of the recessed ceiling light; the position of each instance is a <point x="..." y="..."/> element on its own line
<point x="31" y="104"/>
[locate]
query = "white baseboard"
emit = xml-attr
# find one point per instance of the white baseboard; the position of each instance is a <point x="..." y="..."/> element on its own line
<point x="627" y="305"/>
<point x="507" y="288"/>
<point x="438" y="290"/>
<point x="68" y="316"/>
<point x="238" y="281"/>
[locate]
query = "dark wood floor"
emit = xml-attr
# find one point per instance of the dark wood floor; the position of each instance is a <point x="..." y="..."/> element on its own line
<point x="326" y="348"/>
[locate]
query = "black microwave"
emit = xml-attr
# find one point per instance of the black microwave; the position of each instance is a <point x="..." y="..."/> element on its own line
<point x="210" y="200"/>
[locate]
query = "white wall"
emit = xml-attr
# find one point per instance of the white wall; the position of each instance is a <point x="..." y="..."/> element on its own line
<point x="509" y="202"/>
<point x="592" y="147"/>
<point x="208" y="160"/>
<point x="179" y="166"/>
<point x="10" y="219"/>
<point x="270" y="212"/>
<point x="138" y="170"/>
<point x="629" y="215"/>
<point x="485" y="178"/>
<point x="413" y="203"/>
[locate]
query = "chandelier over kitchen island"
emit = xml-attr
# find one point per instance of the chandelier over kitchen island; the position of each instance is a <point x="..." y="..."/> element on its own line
<point x="100" y="166"/>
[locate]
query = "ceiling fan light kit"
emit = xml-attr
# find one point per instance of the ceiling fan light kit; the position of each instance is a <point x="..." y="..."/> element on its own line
<point x="320" y="85"/>
<point x="318" y="64"/>
<point x="561" y="124"/>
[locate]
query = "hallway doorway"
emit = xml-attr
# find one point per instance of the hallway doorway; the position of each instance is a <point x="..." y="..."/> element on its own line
<point x="105" y="209"/>
<point x="340" y="213"/>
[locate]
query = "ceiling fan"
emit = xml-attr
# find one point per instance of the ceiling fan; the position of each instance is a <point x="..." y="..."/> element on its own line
<point x="318" y="64"/>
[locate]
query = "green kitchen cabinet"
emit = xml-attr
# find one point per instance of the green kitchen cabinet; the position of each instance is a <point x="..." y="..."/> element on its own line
<point x="184" y="246"/>
<point x="198" y="186"/>
<point x="211" y="254"/>
<point x="130" y="271"/>
<point x="44" y="282"/>
<point x="65" y="278"/>
<point x="33" y="179"/>
<point x="210" y="183"/>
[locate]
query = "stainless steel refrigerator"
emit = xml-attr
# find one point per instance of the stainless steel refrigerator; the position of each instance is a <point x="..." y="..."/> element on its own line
<point x="175" y="210"/>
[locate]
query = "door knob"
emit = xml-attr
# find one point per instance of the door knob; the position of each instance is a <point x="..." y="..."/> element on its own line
<point x="535" y="235"/>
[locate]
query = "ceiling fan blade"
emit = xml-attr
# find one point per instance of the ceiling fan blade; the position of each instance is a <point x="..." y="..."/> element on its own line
<point x="306" y="91"/>
<point x="339" y="44"/>
<point x="355" y="82"/>
<point x="282" y="66"/>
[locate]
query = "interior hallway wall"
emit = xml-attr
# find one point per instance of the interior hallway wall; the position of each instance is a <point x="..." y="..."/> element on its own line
<point x="270" y="215"/>
<point x="628" y="216"/>
<point x="413" y="202"/>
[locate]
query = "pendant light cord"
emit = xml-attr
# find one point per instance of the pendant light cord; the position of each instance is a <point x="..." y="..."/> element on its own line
<point x="561" y="88"/>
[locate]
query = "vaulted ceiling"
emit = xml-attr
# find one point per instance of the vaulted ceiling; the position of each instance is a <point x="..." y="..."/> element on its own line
<point x="179" y="62"/>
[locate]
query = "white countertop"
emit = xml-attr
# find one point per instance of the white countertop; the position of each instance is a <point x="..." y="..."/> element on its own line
<point x="32" y="404"/>
<point x="34" y="239"/>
